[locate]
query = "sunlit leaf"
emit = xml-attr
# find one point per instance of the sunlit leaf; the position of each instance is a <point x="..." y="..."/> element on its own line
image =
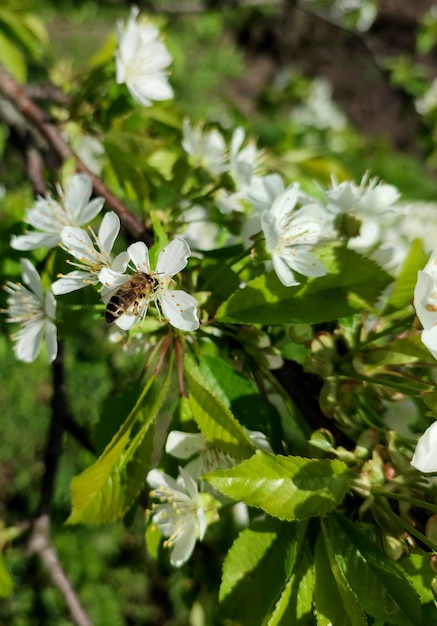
<point x="257" y="569"/>
<point x="6" y="582"/>
<point x="335" y="601"/>
<point x="353" y="282"/>
<point x="106" y="489"/>
<point x="380" y="584"/>
<point x="289" y="488"/>
<point x="214" y="419"/>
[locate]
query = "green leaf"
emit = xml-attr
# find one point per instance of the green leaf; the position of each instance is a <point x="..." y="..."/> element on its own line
<point x="6" y="582"/>
<point x="289" y="488"/>
<point x="335" y="602"/>
<point x="126" y="152"/>
<point x="256" y="570"/>
<point x="105" y="490"/>
<point x="13" y="59"/>
<point x="296" y="601"/>
<point x="24" y="30"/>
<point x="214" y="419"/>
<point x="352" y="283"/>
<point x="403" y="289"/>
<point x="237" y="392"/>
<point x="379" y="583"/>
<point x="421" y="574"/>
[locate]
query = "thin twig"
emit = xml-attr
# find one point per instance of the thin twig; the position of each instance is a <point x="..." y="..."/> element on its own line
<point x="41" y="544"/>
<point x="17" y="96"/>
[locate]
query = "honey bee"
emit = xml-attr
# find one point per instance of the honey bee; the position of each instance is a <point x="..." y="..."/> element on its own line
<point x="139" y="286"/>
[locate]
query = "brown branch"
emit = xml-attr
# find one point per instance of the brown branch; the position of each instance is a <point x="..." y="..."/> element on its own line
<point x="33" y="114"/>
<point x="40" y="543"/>
<point x="53" y="449"/>
<point x="35" y="166"/>
<point x="180" y="8"/>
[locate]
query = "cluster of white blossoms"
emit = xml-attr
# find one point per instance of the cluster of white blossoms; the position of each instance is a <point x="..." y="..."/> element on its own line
<point x="183" y="511"/>
<point x="92" y="257"/>
<point x="367" y="217"/>
<point x="290" y="222"/>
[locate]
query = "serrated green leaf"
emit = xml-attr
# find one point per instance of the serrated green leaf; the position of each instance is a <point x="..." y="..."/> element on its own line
<point x="256" y="570"/>
<point x="290" y="488"/>
<point x="335" y="601"/>
<point x="214" y="419"/>
<point x="403" y="288"/>
<point x="105" y="490"/>
<point x="353" y="282"/>
<point x="421" y="574"/>
<point x="380" y="584"/>
<point x="6" y="582"/>
<point x="296" y="601"/>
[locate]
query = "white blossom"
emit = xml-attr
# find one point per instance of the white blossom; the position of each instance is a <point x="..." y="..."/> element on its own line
<point x="425" y="455"/>
<point x="291" y="234"/>
<point x="200" y="232"/>
<point x="319" y="110"/>
<point x="179" y="515"/>
<point x="177" y="306"/>
<point x="34" y="311"/>
<point x="205" y="457"/>
<point x="141" y="61"/>
<point x="370" y="198"/>
<point x="49" y="217"/>
<point x="208" y="148"/>
<point x="261" y="194"/>
<point x="425" y="303"/>
<point x="92" y="255"/>
<point x="244" y="167"/>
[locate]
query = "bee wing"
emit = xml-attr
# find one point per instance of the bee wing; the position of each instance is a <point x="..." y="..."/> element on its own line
<point x="111" y="281"/>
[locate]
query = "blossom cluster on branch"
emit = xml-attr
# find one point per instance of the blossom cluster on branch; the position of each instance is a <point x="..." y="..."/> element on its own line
<point x="274" y="230"/>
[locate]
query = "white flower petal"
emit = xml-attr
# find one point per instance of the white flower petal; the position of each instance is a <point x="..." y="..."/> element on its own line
<point x="184" y="445"/>
<point x="139" y="255"/>
<point x="305" y="263"/>
<point x="127" y="321"/>
<point x="71" y="282"/>
<point x="285" y="203"/>
<point x="50" y="304"/>
<point x="108" y="231"/>
<point x="429" y="339"/>
<point x="190" y="484"/>
<point x="184" y="544"/>
<point x="31" y="278"/>
<point x="425" y="300"/>
<point x="173" y="258"/>
<point x="29" y="340"/>
<point x="283" y="272"/>
<point x="32" y="241"/>
<point x="119" y="264"/>
<point x="51" y="341"/>
<point x="180" y="309"/>
<point x="425" y="455"/>
<point x="78" y="243"/>
<point x="89" y="211"/>
<point x="157" y="479"/>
